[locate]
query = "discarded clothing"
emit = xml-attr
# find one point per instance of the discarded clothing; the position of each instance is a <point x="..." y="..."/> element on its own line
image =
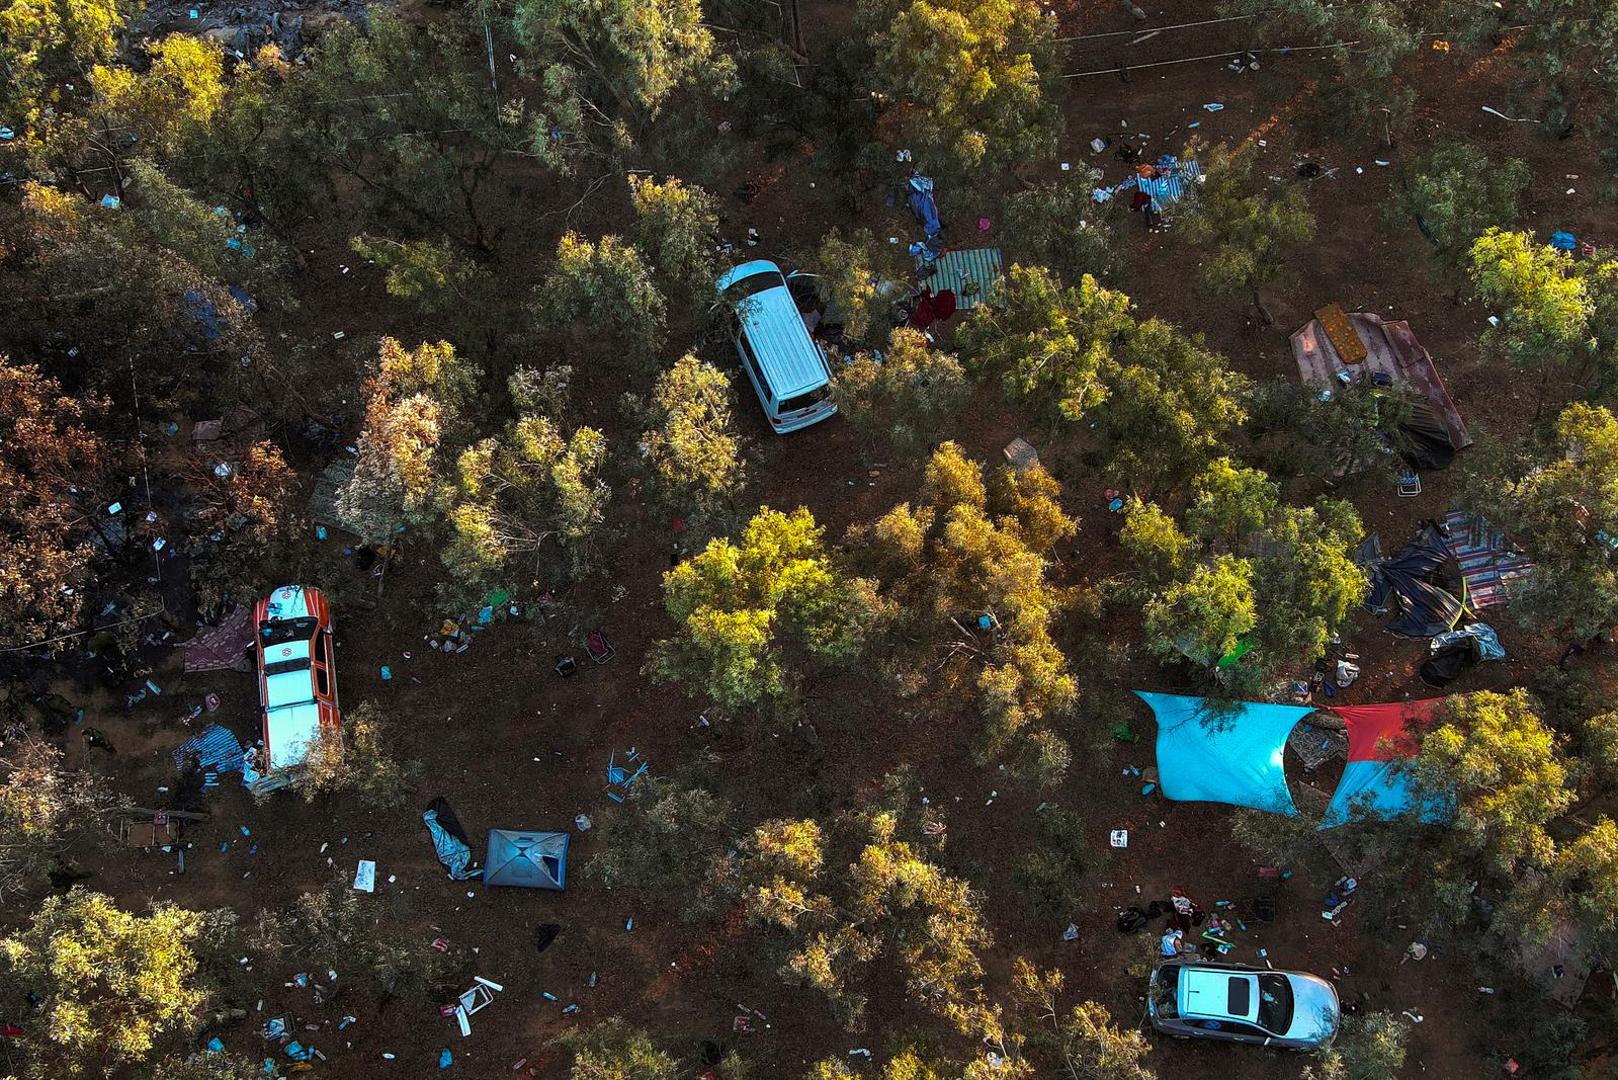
<point x="924" y="206"/>
<point x="449" y="841"/>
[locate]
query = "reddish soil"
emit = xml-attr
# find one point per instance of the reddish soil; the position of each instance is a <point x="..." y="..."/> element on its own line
<point x="511" y="745"/>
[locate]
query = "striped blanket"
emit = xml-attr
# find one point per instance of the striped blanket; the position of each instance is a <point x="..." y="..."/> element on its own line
<point x="1491" y="567"/>
<point x="1174" y="179"/>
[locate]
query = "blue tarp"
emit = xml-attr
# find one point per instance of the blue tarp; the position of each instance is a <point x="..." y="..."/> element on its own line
<point x="1376" y="783"/>
<point x="216" y="749"/>
<point x="1208" y="752"/>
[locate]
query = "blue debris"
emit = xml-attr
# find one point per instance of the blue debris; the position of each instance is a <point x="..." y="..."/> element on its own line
<point x="445" y="1058"/>
<point x="1564" y="241"/>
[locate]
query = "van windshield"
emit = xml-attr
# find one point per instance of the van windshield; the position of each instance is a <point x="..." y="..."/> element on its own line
<point x="804" y="401"/>
<point x="753" y="284"/>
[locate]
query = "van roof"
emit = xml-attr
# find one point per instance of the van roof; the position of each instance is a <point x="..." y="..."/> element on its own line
<point x="791" y="360"/>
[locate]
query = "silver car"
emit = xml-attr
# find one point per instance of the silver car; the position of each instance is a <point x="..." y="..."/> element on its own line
<point x="1287" y="1010"/>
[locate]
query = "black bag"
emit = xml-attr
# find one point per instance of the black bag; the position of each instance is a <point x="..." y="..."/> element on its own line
<point x="1132" y="920"/>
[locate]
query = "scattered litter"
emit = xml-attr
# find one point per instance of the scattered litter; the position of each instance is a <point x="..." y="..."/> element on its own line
<point x="582" y="822"/>
<point x="1120" y="838"/>
<point x="1213" y="106"/>
<point x="365" y="876"/>
<point x="1071" y="933"/>
<point x="1514" y="119"/>
<point x="445" y="1058"/>
<point x="387" y="673"/>
<point x="111" y="202"/>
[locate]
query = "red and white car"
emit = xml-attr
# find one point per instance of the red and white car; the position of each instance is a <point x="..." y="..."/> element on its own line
<point x="297" y="674"/>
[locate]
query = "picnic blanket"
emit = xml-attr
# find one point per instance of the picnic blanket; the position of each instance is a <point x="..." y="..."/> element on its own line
<point x="1491" y="567"/>
<point x="223" y="647"/>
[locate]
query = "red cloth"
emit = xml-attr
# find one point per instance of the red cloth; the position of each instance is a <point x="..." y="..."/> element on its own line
<point x="1378" y="732"/>
<point x="1141" y="199"/>
<point x="944" y="304"/>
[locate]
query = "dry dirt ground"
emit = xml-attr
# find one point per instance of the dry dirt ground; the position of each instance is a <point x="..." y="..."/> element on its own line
<point x="511" y="745"/>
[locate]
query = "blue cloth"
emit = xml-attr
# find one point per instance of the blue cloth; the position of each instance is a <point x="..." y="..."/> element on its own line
<point x="1564" y="241"/>
<point x="923" y="205"/>
<point x="1230" y="754"/>
<point x="216" y="749"/>
<point x="1378" y="791"/>
<point x="452" y="851"/>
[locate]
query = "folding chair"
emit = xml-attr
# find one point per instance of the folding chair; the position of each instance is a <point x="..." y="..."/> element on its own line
<point x="599" y="648"/>
<point x="1409" y="483"/>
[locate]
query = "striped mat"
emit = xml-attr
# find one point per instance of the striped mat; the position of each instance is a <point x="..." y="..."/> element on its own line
<point x="1170" y="186"/>
<point x="1490" y="566"/>
<point x="216" y="749"/>
<point x="974" y="274"/>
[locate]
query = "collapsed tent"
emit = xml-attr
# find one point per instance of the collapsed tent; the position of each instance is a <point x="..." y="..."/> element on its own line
<point x="1376" y="781"/>
<point x="1453" y="651"/>
<point x="449" y="840"/>
<point x="1408" y="582"/>
<point x="526" y="860"/>
<point x="1213" y="752"/>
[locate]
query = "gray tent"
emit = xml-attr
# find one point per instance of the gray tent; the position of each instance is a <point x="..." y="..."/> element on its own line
<point x="526" y="860"/>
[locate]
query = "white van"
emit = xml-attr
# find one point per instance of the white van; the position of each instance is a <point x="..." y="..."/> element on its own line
<point x="787" y="369"/>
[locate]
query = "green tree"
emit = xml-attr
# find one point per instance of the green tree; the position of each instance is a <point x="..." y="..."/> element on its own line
<point x="517" y="495"/>
<point x="965" y="571"/>
<point x="51" y="468"/>
<point x="177" y="95"/>
<point x="906" y="395"/>
<point x="1544" y="309"/>
<point x="612" y="1050"/>
<point x="607" y="70"/>
<point x="968" y="83"/>
<point x="1456" y="194"/>
<point x="601" y="297"/>
<point x="739" y="606"/>
<point x="892" y="899"/>
<point x="1364" y="85"/>
<point x="854" y="278"/>
<point x="1057" y="225"/>
<point x="1355" y="431"/>
<point x="436" y="279"/>
<point x="44" y="809"/>
<point x="48" y="48"/>
<point x="1557" y="502"/>
<point x="417" y="403"/>
<point x="338" y="927"/>
<point x="418" y="137"/>
<point x="1171" y="404"/>
<point x="1154" y="540"/>
<point x="1230" y="504"/>
<point x="1368" y="1047"/>
<point x="1490" y="757"/>
<point x="112" y="985"/>
<point x="670" y="836"/>
<point x="1048" y="344"/>
<point x="689" y="442"/>
<point x="1250" y="232"/>
<point x="1206" y="615"/>
<point x="676" y="225"/>
<point x="355" y="759"/>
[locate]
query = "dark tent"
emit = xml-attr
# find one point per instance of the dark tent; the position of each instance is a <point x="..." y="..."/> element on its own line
<point x="1424" y="442"/>
<point x="1408" y="583"/>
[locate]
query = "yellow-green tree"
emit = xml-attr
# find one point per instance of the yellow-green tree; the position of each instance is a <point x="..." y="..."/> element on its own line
<point x="1249" y="231"/>
<point x="690" y="445"/>
<point x="415" y="413"/>
<point x="905" y="395"/>
<point x="745" y="611"/>
<point x="44" y="807"/>
<point x="968" y="83"/>
<point x="112" y="985"/>
<point x="965" y="572"/>
<point x="601" y="296"/>
<point x="675" y="226"/>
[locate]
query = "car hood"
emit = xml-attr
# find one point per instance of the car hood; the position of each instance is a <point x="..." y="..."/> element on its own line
<point x="1315" y="1009"/>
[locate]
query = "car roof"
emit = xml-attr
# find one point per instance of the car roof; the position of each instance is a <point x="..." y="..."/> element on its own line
<point x="1211" y="993"/>
<point x="791" y="360"/>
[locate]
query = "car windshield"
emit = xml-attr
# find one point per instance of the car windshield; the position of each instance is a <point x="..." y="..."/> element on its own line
<point x="753" y="284"/>
<point x="803" y="401"/>
<point x="1274" y="1003"/>
<point x="281" y="631"/>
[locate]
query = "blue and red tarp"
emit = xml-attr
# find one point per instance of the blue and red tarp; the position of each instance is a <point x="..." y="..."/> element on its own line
<point x="1226" y="752"/>
<point x="1376" y="783"/>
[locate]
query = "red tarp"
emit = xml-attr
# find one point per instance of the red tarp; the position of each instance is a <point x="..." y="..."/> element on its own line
<point x="1377" y="732"/>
